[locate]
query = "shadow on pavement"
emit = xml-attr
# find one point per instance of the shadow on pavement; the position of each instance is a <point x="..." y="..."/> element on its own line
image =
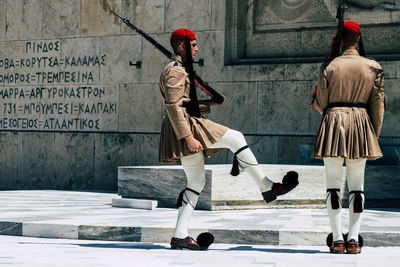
<point x="146" y="246"/>
<point x="278" y="250"/>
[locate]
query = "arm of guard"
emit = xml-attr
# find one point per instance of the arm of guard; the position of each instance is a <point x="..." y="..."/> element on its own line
<point x="376" y="102"/>
<point x="321" y="99"/>
<point x="204" y="106"/>
<point x="174" y="82"/>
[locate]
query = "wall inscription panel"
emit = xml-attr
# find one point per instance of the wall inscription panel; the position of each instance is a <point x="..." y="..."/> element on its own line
<point x="53" y="85"/>
<point x="278" y="31"/>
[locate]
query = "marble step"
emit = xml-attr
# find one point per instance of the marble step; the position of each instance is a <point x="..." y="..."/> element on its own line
<point x="223" y="191"/>
<point x="89" y="215"/>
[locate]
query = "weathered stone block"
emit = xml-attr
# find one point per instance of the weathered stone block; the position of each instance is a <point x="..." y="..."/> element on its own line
<point x="134" y="203"/>
<point x="211" y="50"/>
<point x="153" y="61"/>
<point x="25" y="59"/>
<point x="8" y="160"/>
<point x="391" y="126"/>
<point x="239" y="110"/>
<point x="218" y="12"/>
<point x="108" y="148"/>
<point x="113" y="150"/>
<point x="389" y="69"/>
<point x="164" y="183"/>
<point x="24" y="19"/>
<point x="3" y="17"/>
<point x="61" y="18"/>
<point x="79" y="48"/>
<point x="35" y="160"/>
<point x="11" y="228"/>
<point x="74" y="161"/>
<point x="120" y="51"/>
<point x="182" y="14"/>
<point x="146" y="15"/>
<point x="301" y="72"/>
<point x="236" y="73"/>
<point x="146" y="150"/>
<point x="97" y="20"/>
<point x="265" y="148"/>
<point x="314" y="44"/>
<point x="290" y="148"/>
<point x="384" y="38"/>
<point x="140" y="108"/>
<point x="283" y="108"/>
<point x="159" y="183"/>
<point x="131" y="234"/>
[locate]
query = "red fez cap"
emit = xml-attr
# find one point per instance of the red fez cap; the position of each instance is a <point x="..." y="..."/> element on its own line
<point x="181" y="34"/>
<point x="350" y="26"/>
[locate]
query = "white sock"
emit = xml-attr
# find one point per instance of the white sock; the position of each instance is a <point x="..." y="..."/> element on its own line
<point x="354" y="220"/>
<point x="335" y="219"/>
<point x="185" y="214"/>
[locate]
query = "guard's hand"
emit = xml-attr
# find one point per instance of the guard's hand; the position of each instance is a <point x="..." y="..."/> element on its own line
<point x="193" y="144"/>
<point x="218" y="104"/>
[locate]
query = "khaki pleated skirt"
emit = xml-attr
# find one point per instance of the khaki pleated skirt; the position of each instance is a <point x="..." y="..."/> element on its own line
<point x="204" y="130"/>
<point x="347" y="133"/>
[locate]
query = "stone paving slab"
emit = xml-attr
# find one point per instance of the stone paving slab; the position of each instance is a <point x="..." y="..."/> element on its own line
<point x="32" y="252"/>
<point x="89" y="215"/>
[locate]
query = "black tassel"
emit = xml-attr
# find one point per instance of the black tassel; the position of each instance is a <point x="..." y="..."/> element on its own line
<point x="335" y="200"/>
<point x="358" y="201"/>
<point x="235" y="166"/>
<point x="180" y="199"/>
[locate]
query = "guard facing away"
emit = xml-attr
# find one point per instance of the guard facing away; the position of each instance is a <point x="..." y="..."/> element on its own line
<point x="187" y="137"/>
<point x="350" y="95"/>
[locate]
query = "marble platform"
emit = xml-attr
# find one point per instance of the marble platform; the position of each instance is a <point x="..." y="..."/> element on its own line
<point x="90" y="216"/>
<point x="223" y="191"/>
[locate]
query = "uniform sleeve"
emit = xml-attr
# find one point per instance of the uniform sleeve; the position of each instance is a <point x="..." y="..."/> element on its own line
<point x="376" y="102"/>
<point x="321" y="99"/>
<point x="174" y="82"/>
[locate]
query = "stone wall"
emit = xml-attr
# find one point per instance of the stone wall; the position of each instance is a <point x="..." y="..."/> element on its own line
<point x="72" y="109"/>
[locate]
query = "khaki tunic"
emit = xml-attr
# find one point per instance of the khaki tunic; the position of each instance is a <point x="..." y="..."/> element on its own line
<point x="350" y="132"/>
<point x="177" y="124"/>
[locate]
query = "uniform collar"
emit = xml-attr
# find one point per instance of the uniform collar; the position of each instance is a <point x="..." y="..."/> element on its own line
<point x="350" y="52"/>
<point x="178" y="58"/>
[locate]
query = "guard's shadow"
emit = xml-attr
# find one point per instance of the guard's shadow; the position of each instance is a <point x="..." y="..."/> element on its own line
<point x="145" y="246"/>
<point x="277" y="250"/>
<point x="150" y="246"/>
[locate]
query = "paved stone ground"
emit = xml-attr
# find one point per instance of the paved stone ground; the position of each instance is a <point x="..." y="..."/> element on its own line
<point x="89" y="215"/>
<point x="43" y="252"/>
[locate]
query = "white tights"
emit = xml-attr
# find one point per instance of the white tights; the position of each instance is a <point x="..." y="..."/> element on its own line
<point x="193" y="166"/>
<point x="355" y="169"/>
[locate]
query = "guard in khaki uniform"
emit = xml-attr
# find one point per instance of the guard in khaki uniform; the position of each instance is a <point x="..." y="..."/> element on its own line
<point x="350" y="95"/>
<point x="188" y="138"/>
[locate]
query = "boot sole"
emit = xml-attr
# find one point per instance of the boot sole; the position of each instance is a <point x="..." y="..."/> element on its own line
<point x="353" y="250"/>
<point x="337" y="250"/>
<point x="280" y="193"/>
<point x="175" y="247"/>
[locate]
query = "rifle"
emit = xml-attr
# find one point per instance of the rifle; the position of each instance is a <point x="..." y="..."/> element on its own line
<point x="215" y="96"/>
<point x="335" y="47"/>
<point x="336" y="42"/>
